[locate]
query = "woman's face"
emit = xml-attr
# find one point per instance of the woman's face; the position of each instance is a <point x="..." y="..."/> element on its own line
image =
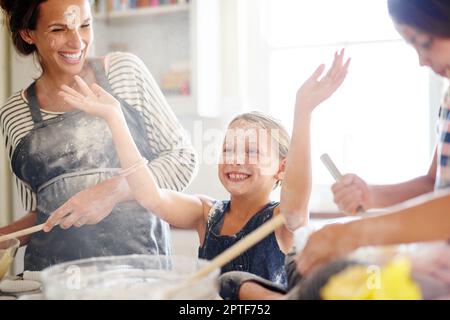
<point x="63" y="35"/>
<point x="433" y="51"/>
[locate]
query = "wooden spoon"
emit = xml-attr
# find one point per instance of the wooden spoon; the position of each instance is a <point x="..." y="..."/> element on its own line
<point x="229" y="254"/>
<point x="22" y="233"/>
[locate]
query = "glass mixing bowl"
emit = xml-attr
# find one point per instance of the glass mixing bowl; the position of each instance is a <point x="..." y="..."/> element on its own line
<point x="8" y="250"/>
<point x="137" y="277"/>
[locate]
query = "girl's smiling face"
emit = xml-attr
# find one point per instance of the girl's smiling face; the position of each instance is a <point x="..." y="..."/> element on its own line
<point x="250" y="160"/>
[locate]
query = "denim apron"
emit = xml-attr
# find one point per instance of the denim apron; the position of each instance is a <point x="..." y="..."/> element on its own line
<point x="70" y="153"/>
<point x="265" y="259"/>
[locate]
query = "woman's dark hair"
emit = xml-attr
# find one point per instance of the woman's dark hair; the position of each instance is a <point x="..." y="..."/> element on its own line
<point x="21" y="15"/>
<point x="430" y="16"/>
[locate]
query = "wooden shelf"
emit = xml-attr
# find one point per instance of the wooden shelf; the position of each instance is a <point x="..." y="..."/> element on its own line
<point x="143" y="12"/>
<point x="186" y="33"/>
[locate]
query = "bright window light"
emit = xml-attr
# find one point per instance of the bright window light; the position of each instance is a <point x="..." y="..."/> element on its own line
<point x="377" y="124"/>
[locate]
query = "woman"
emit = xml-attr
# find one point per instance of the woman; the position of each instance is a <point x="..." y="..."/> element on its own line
<point x="63" y="158"/>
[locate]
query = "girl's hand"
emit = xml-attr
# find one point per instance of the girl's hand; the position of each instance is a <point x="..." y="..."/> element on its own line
<point x="313" y="92"/>
<point x="93" y="100"/>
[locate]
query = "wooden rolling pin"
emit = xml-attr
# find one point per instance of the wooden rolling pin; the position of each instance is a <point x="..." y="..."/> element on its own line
<point x="22" y="233"/>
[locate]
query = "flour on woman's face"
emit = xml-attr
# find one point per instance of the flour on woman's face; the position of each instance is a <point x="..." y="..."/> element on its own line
<point x="72" y="15"/>
<point x="63" y="36"/>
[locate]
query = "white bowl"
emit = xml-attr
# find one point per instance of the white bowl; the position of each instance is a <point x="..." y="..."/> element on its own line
<point x="133" y="277"/>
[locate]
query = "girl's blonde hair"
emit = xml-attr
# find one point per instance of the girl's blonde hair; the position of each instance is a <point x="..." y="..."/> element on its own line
<point x="282" y="138"/>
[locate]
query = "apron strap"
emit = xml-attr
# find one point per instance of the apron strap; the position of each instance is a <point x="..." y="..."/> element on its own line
<point x="100" y="73"/>
<point x="34" y="105"/>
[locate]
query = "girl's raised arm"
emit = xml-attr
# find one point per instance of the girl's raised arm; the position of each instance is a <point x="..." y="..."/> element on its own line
<point x="296" y="187"/>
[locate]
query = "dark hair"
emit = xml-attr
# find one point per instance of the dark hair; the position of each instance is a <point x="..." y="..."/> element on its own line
<point x="430" y="16"/>
<point x="21" y="15"/>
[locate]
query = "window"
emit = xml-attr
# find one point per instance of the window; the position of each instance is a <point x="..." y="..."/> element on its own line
<point x="378" y="124"/>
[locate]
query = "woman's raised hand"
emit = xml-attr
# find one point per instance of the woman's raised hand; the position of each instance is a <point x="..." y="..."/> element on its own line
<point x="314" y="91"/>
<point x="93" y="100"/>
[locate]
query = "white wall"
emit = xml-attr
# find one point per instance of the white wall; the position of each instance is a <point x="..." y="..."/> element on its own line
<point x="5" y="194"/>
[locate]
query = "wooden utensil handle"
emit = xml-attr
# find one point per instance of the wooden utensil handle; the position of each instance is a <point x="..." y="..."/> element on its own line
<point x="22" y="233"/>
<point x="228" y="255"/>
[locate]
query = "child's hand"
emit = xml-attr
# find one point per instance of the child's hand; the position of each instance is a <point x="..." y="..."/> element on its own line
<point x="313" y="92"/>
<point x="351" y="193"/>
<point x="324" y="245"/>
<point x="94" y="100"/>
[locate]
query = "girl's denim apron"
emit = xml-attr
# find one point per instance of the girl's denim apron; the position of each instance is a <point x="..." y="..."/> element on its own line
<point x="265" y="259"/>
<point x="70" y="153"/>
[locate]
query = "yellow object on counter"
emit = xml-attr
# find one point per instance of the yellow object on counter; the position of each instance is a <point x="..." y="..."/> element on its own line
<point x="391" y="282"/>
<point x="5" y="262"/>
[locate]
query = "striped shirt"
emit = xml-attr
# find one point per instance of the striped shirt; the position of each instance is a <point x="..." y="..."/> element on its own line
<point x="130" y="80"/>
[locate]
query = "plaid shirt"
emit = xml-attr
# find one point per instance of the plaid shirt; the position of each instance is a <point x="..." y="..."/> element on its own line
<point x="443" y="147"/>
